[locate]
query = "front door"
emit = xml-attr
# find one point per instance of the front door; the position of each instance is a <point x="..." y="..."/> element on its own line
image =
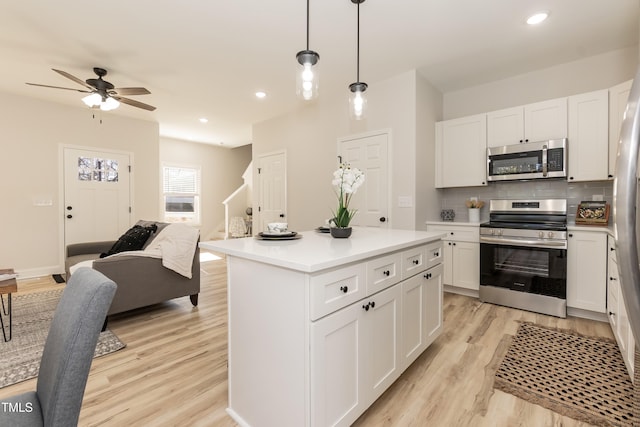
<point x="369" y="154"/>
<point x="272" y="178"/>
<point x="96" y="195"/>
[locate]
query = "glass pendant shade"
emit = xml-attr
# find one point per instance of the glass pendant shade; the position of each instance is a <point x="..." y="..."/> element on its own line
<point x="357" y="100"/>
<point x="307" y="75"/>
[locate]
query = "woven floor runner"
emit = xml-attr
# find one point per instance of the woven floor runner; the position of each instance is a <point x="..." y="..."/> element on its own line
<point x="579" y="377"/>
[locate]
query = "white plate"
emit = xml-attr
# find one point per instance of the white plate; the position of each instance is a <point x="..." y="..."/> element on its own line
<point x="282" y="234"/>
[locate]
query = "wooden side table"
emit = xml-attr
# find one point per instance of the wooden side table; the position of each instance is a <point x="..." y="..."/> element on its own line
<point x="7" y="287"/>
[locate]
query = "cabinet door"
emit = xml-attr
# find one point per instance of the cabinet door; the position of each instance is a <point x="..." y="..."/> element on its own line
<point x="447" y="261"/>
<point x="381" y="358"/>
<point x="618" y="96"/>
<point x="421" y="312"/>
<point x="589" y="136"/>
<point x="336" y="368"/>
<point x="466" y="265"/>
<point x="587" y="270"/>
<point x="545" y="120"/>
<point x="505" y="127"/>
<point x="461" y="152"/>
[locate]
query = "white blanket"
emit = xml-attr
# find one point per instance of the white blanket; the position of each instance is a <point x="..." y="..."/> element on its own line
<point x="176" y="245"/>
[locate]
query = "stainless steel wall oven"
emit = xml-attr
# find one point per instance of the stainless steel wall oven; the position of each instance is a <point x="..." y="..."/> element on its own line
<point x="523" y="255"/>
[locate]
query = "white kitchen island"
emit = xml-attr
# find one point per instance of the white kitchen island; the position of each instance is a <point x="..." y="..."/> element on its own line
<point x="320" y="327"/>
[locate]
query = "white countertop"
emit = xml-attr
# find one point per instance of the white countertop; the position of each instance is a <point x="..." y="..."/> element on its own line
<point x="318" y="251"/>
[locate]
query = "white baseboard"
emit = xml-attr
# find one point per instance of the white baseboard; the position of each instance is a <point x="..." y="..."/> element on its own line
<point x="31" y="273"/>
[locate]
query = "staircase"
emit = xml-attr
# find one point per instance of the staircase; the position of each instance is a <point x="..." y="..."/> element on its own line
<point x="235" y="207"/>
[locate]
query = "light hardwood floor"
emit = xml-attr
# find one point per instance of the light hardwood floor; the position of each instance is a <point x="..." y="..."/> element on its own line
<point x="173" y="371"/>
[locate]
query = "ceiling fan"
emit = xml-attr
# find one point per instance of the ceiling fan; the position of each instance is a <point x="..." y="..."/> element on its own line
<point x="103" y="94"/>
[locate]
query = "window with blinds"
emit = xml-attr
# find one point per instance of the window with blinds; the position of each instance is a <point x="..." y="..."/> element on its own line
<point x="181" y="194"/>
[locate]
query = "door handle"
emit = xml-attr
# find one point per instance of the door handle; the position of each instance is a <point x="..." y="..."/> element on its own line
<point x="383" y="219"/>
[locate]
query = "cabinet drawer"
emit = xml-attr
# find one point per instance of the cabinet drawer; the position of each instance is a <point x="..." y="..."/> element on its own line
<point x="414" y="261"/>
<point x="458" y="233"/>
<point x="335" y="289"/>
<point x="383" y="272"/>
<point x="434" y="253"/>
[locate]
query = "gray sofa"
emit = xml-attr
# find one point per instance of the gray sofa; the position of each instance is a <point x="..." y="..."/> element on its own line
<point x="141" y="281"/>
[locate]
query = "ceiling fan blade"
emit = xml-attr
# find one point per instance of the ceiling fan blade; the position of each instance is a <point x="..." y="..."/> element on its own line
<point x="134" y="103"/>
<point x="74" y="78"/>
<point x="58" y="87"/>
<point x="131" y="91"/>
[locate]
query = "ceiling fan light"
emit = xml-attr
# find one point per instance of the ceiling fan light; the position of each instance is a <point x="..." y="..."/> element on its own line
<point x="109" y="104"/>
<point x="92" y="100"/>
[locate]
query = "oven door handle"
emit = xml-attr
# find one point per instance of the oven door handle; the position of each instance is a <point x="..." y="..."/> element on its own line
<point x="551" y="244"/>
<point x="545" y="165"/>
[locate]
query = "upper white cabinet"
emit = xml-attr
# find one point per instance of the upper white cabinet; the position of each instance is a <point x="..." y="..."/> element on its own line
<point x="461" y="152"/>
<point x="618" y="96"/>
<point x="588" y="136"/>
<point x="532" y="122"/>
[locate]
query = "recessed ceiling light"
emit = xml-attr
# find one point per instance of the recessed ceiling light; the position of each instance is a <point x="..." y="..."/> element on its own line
<point x="260" y="94"/>
<point x="537" y="18"/>
<point x="203" y="120"/>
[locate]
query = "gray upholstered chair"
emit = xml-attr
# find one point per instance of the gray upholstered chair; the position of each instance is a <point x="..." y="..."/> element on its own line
<point x="67" y="356"/>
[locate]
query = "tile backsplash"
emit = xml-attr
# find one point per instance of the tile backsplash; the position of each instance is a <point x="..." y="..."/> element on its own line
<point x="573" y="192"/>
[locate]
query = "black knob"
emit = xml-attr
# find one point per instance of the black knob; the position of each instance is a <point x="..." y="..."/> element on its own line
<point x="449" y="243"/>
<point x="416" y="262"/>
<point x="612" y="278"/>
<point x="366" y="307"/>
<point x="570" y="177"/>
<point x="386" y="273"/>
<point x="427" y="276"/>
<point x="436" y="254"/>
<point x="520" y="141"/>
<point x="344" y="289"/>
<point x="482" y="182"/>
<point x="611" y="313"/>
<point x="383" y="219"/>
<point x="373" y="304"/>
<point x="69" y="216"/>
<point x="454" y="243"/>
<point x="610" y="176"/>
<point x="526" y="140"/>
<point x="451" y="233"/>
<point x="570" y="235"/>
<point x="613" y="249"/>
<point x="281" y="215"/>
<point x="69" y="208"/>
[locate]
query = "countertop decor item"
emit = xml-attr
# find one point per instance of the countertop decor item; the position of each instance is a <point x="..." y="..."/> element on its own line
<point x="592" y="213"/>
<point x="346" y="181"/>
<point x="447" y="214"/>
<point x="474" y="206"/>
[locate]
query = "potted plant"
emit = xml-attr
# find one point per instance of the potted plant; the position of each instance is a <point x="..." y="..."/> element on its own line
<point x="346" y="181"/>
<point x="474" y="206"/>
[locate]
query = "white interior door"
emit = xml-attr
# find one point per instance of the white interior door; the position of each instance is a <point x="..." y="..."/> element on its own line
<point x="370" y="155"/>
<point x="96" y="195"/>
<point x="272" y="182"/>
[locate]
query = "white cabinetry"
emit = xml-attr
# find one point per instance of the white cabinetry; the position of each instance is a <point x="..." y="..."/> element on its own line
<point x="588" y="136"/>
<point x="618" y="96"/>
<point x="529" y="123"/>
<point x="587" y="270"/>
<point x="358" y="351"/>
<point x="461" y="152"/>
<point x="461" y="255"/>
<point x="617" y="312"/>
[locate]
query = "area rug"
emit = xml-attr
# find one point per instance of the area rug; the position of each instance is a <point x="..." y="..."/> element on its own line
<point x="32" y="315"/>
<point x="581" y="377"/>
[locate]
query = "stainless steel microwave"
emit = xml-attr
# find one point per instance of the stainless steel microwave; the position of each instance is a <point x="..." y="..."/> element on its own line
<point x="531" y="160"/>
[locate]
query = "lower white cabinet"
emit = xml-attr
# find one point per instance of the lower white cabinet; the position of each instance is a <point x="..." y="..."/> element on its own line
<point x="617" y="312"/>
<point x="421" y="312"/>
<point x="587" y="270"/>
<point x="359" y="351"/>
<point x="461" y="247"/>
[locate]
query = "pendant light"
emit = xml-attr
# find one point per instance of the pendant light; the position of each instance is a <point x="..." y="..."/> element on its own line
<point x="357" y="97"/>
<point x="307" y="73"/>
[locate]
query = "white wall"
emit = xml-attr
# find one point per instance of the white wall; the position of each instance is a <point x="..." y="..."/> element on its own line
<point x="309" y="136"/>
<point x="221" y="174"/>
<point x="593" y="73"/>
<point x="32" y="134"/>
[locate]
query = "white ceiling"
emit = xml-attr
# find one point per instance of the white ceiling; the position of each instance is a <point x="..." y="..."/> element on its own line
<point x="208" y="58"/>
